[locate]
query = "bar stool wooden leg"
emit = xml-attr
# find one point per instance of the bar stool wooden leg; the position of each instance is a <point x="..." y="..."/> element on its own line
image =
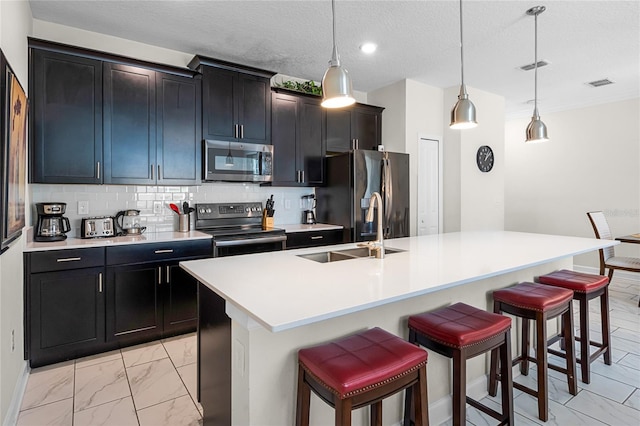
<point x="572" y="379"/>
<point x="343" y="412"/>
<point x="541" y="356"/>
<point x="493" y="371"/>
<point x="376" y="414"/>
<point x="585" y="357"/>
<point x="524" y="348"/>
<point x="459" y="388"/>
<point x="420" y="399"/>
<point x="507" y="380"/>
<point x="303" y="400"/>
<point x="606" y="330"/>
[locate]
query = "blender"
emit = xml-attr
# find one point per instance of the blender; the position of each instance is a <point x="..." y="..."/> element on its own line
<point x="308" y="204"/>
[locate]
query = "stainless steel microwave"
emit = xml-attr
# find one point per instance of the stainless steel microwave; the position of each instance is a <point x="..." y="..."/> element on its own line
<point x="237" y="161"/>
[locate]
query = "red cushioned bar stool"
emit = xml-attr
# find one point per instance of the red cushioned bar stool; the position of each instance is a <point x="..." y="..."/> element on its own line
<point x="361" y="370"/>
<point x="585" y="287"/>
<point x="462" y="332"/>
<point x="538" y="302"/>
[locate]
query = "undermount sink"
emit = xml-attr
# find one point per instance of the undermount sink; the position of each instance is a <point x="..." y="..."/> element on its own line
<point x="337" y="255"/>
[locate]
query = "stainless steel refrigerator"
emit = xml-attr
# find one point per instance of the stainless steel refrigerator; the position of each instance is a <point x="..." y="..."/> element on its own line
<point x="351" y="179"/>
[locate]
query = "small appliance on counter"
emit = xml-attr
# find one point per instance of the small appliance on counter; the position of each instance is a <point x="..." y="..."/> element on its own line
<point x="51" y="224"/>
<point x="308" y="204"/>
<point x="128" y="222"/>
<point x="95" y="227"/>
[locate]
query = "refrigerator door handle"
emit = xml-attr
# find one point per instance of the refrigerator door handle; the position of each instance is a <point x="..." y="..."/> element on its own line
<point x="387" y="194"/>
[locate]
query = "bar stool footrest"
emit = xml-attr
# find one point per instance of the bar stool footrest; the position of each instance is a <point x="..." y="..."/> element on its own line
<point x="489" y="411"/>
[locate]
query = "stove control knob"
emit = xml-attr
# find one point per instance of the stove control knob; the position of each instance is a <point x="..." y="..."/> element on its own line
<point x="247" y="209"/>
<point x="208" y="210"/>
<point x="201" y="211"/>
<point x="258" y="208"/>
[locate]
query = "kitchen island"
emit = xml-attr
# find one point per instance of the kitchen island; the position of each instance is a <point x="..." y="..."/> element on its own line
<point x="256" y="311"/>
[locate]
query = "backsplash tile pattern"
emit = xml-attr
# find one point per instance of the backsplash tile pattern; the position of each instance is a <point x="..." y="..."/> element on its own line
<point x="107" y="200"/>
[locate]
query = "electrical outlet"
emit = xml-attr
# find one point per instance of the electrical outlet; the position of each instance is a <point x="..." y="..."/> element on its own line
<point x="13" y="340"/>
<point x="83" y="207"/>
<point x="157" y="207"/>
<point x="287" y="204"/>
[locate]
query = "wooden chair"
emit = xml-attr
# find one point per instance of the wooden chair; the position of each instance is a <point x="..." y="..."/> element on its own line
<point x="608" y="259"/>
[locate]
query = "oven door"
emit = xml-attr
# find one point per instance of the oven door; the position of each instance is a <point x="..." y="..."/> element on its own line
<point x="247" y="245"/>
<point x="237" y="161"/>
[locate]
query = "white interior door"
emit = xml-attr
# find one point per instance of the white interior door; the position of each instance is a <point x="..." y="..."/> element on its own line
<point x="429" y="184"/>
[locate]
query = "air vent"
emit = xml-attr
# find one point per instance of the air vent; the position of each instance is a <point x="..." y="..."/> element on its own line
<point x="533" y="65"/>
<point x="598" y="83"/>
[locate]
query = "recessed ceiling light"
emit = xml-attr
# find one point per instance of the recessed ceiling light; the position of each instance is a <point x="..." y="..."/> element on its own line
<point x="368" y="48"/>
<point x="598" y="83"/>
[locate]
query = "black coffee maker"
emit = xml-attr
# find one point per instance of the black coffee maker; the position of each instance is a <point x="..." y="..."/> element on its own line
<point x="51" y="225"/>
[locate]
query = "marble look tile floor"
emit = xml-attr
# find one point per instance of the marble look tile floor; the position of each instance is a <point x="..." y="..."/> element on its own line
<point x="155" y="383"/>
<point x="151" y="384"/>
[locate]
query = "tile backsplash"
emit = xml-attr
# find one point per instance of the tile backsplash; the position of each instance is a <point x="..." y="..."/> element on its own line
<point x="153" y="201"/>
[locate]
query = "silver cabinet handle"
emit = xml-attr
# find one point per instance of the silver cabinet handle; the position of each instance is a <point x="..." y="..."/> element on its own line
<point x="159" y="275"/>
<point x="302" y="174"/>
<point x="168" y="275"/>
<point x="159" y="175"/>
<point x="98" y="169"/>
<point x="317" y="237"/>
<point x="235" y="131"/>
<point x="69" y="259"/>
<point x="152" y="172"/>
<point x="100" y="282"/>
<point x="163" y="251"/>
<point x="242" y="131"/>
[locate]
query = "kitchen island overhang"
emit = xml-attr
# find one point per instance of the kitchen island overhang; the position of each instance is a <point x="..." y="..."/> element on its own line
<point x="279" y="302"/>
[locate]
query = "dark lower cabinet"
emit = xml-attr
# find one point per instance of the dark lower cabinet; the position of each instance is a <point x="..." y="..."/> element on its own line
<point x="180" y="307"/>
<point x="80" y="302"/>
<point x="134" y="304"/>
<point x="314" y="238"/>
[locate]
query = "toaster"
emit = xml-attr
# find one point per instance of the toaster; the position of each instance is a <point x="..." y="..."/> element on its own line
<point x="100" y="226"/>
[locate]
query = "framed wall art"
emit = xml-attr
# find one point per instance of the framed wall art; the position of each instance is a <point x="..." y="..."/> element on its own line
<point x="14" y="151"/>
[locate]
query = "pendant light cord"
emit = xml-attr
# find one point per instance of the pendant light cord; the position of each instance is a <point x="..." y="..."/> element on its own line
<point x="535" y="74"/>
<point x="461" y="48"/>
<point x="334" y="56"/>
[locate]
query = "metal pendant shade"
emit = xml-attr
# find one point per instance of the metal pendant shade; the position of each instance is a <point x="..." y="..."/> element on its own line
<point x="463" y="114"/>
<point x="337" y="91"/>
<point x="536" y="130"/>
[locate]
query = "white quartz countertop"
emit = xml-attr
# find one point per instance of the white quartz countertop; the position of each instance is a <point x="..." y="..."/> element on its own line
<point x="151" y="237"/>
<point x="281" y="291"/>
<point x="299" y="227"/>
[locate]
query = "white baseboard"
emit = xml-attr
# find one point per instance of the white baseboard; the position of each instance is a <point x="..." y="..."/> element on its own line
<point x="11" y="417"/>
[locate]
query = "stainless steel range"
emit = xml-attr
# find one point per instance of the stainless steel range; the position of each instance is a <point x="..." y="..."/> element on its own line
<point x="237" y="229"/>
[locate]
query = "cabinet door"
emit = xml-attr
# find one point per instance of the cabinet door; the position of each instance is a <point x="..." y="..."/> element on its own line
<point x="285" y="169"/>
<point x="178" y="130"/>
<point x="311" y="149"/>
<point x="66" y="123"/>
<point x="180" y="300"/>
<point x="66" y="314"/>
<point x="338" y="130"/>
<point x="129" y="125"/>
<point x="134" y="304"/>
<point x="367" y="128"/>
<point x="219" y="114"/>
<point x="254" y="108"/>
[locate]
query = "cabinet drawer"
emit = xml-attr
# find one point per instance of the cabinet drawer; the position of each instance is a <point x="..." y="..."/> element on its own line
<point x="140" y="253"/>
<point x="314" y="238"/>
<point x="57" y="260"/>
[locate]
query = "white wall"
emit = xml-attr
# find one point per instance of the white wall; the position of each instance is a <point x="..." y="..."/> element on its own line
<point x="412" y="109"/>
<point x="474" y="200"/>
<point x="15" y="26"/>
<point x="592" y="162"/>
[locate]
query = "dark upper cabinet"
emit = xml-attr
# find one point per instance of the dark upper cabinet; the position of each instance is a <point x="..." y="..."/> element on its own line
<point x="236" y="103"/>
<point x="178" y="129"/>
<point x="99" y="118"/>
<point x="356" y="127"/>
<point x="298" y="139"/>
<point x="66" y="118"/>
<point x="129" y="124"/>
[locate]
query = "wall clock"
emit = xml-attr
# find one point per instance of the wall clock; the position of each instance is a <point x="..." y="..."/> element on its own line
<point x="484" y="158"/>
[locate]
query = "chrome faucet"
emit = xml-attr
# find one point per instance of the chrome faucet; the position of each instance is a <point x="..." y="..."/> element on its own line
<point x="375" y="247"/>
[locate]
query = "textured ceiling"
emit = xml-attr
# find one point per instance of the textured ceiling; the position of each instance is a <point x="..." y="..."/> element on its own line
<point x="582" y="40"/>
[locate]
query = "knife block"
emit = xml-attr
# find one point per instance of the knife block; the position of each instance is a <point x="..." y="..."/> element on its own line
<point x="267" y="222"/>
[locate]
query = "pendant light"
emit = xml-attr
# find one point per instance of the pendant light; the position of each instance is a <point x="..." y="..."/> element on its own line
<point x="336" y="83"/>
<point x="229" y="160"/>
<point x="536" y="130"/>
<point x="463" y="114"/>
